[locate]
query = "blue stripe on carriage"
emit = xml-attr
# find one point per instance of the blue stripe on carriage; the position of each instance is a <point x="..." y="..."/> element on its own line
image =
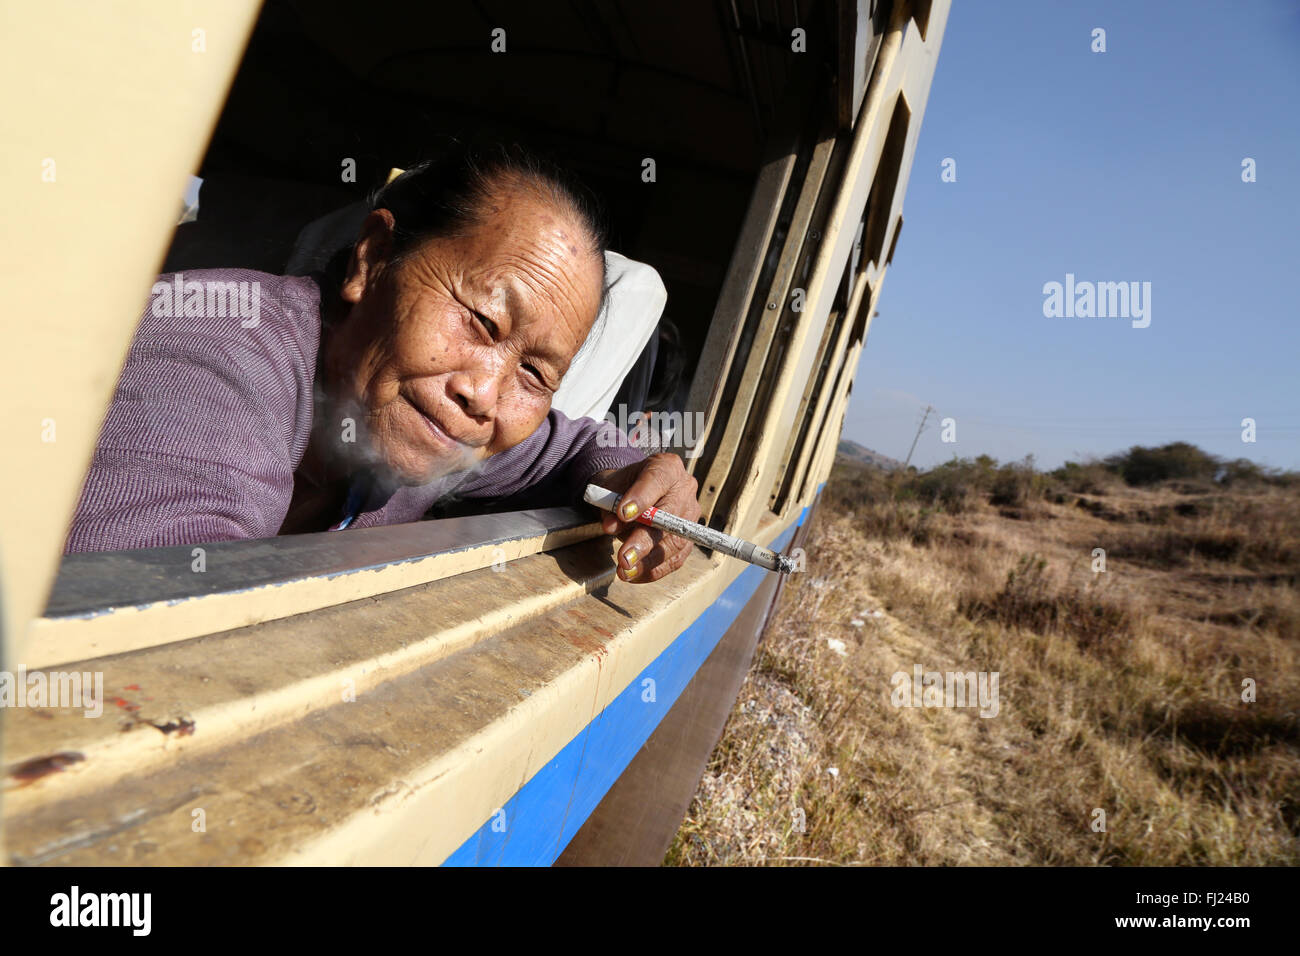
<point x="544" y="815"/>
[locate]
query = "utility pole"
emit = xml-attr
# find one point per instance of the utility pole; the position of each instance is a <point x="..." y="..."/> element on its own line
<point x="920" y="428"/>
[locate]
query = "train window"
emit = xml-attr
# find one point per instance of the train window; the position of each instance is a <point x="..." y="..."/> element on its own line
<point x="322" y="107"/>
<point x="803" y="443"/>
<point x="772" y="317"/>
<point x="741" y="248"/>
<point x="881" y="203"/>
<point x="691" y="157"/>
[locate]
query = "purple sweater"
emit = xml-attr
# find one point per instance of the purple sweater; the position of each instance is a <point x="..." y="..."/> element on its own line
<point x="211" y="419"/>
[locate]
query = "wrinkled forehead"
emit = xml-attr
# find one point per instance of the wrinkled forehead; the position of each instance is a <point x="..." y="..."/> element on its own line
<point x="534" y="264"/>
<point x="537" y="321"/>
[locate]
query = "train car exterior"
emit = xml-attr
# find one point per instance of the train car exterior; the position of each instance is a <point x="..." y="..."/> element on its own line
<point x="476" y="690"/>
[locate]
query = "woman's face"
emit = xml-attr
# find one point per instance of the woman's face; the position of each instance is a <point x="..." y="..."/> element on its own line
<point x="454" y="353"/>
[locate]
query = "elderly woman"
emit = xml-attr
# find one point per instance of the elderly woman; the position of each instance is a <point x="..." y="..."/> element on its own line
<point x="425" y="369"/>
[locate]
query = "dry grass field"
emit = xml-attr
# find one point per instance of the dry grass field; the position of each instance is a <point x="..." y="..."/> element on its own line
<point x="1119" y="691"/>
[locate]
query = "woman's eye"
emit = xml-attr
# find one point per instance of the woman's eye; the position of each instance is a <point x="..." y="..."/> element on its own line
<point x="489" y="325"/>
<point x="537" y="376"/>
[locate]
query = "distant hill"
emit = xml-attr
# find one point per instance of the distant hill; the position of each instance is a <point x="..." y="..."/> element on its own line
<point x="852" y="451"/>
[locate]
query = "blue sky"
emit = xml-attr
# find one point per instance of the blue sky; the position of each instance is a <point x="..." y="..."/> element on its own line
<point x="1115" y="166"/>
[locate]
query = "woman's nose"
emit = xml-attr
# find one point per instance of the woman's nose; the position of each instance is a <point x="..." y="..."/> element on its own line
<point x="476" y="390"/>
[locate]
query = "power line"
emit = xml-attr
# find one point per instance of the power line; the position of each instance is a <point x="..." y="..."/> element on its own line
<point x="921" y="428"/>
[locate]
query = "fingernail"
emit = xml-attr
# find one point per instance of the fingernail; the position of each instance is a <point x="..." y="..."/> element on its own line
<point x="630" y="556"/>
<point x="631" y="573"/>
<point x="631" y="510"/>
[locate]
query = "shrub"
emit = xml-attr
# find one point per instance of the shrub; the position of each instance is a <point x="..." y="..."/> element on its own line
<point x="1177" y="460"/>
<point x="1030" y="599"/>
<point x="1088" y="478"/>
<point x="954" y="485"/>
<point x="1015" y="484"/>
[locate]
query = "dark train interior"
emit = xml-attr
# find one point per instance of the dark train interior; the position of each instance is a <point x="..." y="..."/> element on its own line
<point x="700" y="87"/>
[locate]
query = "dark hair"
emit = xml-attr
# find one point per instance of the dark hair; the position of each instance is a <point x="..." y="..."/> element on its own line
<point x="446" y="196"/>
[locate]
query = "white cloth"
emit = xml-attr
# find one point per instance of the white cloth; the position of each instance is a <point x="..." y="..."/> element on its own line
<point x="633" y="305"/>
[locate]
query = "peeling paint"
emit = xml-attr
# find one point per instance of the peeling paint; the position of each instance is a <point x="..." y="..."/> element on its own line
<point x="181" y="726"/>
<point x="29" y="771"/>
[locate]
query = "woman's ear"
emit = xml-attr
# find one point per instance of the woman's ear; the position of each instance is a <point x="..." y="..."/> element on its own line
<point x="374" y="248"/>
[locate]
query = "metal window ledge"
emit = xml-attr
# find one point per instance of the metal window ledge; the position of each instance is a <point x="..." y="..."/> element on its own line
<point x="111" y="602"/>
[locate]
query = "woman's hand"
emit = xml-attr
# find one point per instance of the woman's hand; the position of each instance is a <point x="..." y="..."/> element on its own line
<point x="660" y="481"/>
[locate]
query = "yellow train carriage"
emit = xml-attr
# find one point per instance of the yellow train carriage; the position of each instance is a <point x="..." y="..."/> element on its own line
<point x="477" y="689"/>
